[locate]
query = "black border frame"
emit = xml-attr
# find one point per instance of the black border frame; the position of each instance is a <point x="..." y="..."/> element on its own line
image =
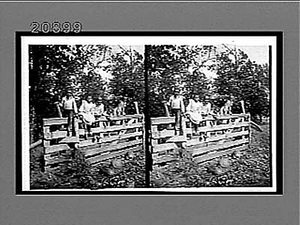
<point x="279" y="110"/>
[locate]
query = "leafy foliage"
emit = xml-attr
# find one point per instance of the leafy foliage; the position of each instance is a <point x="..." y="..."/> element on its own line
<point x="243" y="79"/>
<point x="176" y="66"/>
<point x="54" y="69"/>
<point x="127" y="70"/>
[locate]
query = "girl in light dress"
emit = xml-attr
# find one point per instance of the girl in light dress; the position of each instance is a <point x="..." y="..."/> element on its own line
<point x="197" y="111"/>
<point x="194" y="110"/>
<point x="86" y="112"/>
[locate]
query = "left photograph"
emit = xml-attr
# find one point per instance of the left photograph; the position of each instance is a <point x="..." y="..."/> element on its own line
<point x="82" y="114"/>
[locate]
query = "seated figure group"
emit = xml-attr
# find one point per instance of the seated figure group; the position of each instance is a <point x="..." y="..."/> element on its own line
<point x="89" y="111"/>
<point x="196" y="110"/>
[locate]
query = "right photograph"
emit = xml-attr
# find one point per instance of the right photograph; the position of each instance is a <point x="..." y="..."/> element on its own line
<point x="211" y="109"/>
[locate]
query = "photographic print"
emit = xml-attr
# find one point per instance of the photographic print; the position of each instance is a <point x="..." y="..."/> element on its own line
<point x="210" y="110"/>
<point x="150" y="113"/>
<point x="85" y="104"/>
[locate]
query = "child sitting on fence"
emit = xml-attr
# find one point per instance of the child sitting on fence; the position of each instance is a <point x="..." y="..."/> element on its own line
<point x="226" y="109"/>
<point x="86" y="114"/>
<point x="120" y="109"/>
<point x="193" y="112"/>
<point x="100" y="113"/>
<point x="206" y="107"/>
<point x="98" y="110"/>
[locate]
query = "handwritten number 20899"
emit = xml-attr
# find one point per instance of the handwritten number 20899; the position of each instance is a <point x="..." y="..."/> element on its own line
<point x="55" y="27"/>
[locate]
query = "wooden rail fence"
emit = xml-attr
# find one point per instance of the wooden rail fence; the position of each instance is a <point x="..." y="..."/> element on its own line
<point x="109" y="138"/>
<point x="214" y="138"/>
<point x="116" y="136"/>
<point x="119" y="136"/>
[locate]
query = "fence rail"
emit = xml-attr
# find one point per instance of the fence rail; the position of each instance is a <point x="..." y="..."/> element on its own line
<point x="213" y="137"/>
<point x="117" y="136"/>
<point x="109" y="138"/>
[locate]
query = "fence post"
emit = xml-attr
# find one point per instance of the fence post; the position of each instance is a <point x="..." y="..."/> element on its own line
<point x="249" y="127"/>
<point x="58" y="109"/>
<point x="46" y="131"/>
<point x="183" y="125"/>
<point x="76" y="128"/>
<point x="154" y="130"/>
<point x="136" y="107"/>
<point x="243" y="106"/>
<point x="166" y="109"/>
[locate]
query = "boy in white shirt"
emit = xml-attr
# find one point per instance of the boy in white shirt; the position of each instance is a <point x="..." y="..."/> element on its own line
<point x="177" y="108"/>
<point x="70" y="110"/>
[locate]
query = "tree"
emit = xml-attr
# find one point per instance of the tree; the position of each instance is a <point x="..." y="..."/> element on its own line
<point x="46" y="78"/>
<point x="127" y="70"/>
<point x="177" y="66"/>
<point x="243" y="79"/>
<point x="55" y="68"/>
<point x="196" y="84"/>
<point x="86" y="60"/>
